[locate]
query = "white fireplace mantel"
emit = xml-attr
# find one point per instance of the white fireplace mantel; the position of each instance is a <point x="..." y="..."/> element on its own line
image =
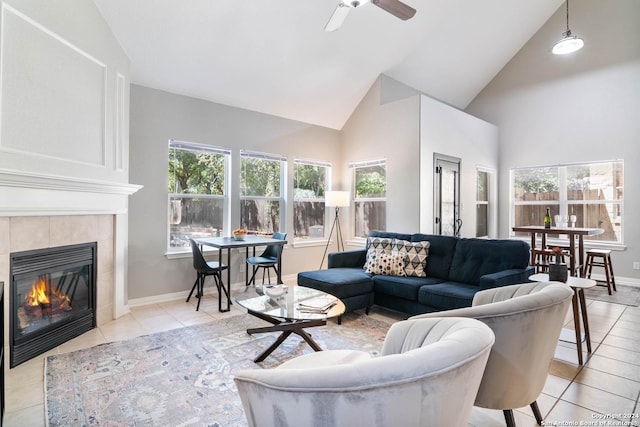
<point x="29" y="194"/>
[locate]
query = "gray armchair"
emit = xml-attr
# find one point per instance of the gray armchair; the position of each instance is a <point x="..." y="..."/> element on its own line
<point x="527" y="320"/>
<point x="428" y="374"/>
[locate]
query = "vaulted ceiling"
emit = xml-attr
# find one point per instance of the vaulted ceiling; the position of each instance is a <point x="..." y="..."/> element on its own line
<point x="273" y="56"/>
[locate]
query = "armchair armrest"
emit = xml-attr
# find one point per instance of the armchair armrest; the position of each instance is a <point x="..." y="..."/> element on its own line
<point x="505" y="277"/>
<point x="506" y="293"/>
<point x="483" y="307"/>
<point x="347" y="259"/>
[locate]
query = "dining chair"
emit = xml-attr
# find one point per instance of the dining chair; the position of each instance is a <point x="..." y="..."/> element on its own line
<point x="203" y="269"/>
<point x="267" y="260"/>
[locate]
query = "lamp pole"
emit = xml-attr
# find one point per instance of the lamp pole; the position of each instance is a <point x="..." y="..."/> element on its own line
<point x="335" y="199"/>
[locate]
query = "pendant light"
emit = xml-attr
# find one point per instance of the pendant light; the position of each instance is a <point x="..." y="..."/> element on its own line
<point x="569" y="43"/>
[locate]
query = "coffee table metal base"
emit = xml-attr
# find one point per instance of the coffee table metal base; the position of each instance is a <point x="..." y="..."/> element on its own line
<point x="287" y="327"/>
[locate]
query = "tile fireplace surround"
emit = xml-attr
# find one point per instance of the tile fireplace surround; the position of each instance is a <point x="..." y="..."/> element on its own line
<point x="37" y="232"/>
<point x="44" y="211"/>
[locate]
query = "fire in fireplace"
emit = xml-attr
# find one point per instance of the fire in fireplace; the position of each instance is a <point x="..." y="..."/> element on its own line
<point x="53" y="298"/>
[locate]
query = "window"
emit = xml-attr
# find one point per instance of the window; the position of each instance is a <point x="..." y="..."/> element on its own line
<point x="262" y="178"/>
<point x="198" y="196"/>
<point x="370" y="196"/>
<point x="587" y="195"/>
<point x="482" y="203"/>
<point x="309" y="184"/>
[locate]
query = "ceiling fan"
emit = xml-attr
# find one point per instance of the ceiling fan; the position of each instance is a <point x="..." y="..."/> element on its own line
<point x="394" y="7"/>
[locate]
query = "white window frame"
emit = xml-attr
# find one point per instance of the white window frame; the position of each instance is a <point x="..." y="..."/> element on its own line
<point x="489" y="179"/>
<point x="563" y="203"/>
<point x="356" y="199"/>
<point x="198" y="147"/>
<point x="281" y="198"/>
<point x="327" y="185"/>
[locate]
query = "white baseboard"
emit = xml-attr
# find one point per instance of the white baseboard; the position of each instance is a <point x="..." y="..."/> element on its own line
<point x="208" y="290"/>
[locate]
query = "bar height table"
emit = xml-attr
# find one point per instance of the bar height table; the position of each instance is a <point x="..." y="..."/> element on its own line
<point x="572" y="232"/>
<point x="249" y="241"/>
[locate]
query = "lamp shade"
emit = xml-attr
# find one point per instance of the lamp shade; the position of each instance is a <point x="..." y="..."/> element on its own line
<point x="568" y="44"/>
<point x="337" y="199"/>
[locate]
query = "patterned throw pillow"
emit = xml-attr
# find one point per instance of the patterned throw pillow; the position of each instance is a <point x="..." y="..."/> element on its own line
<point x="378" y="245"/>
<point x="387" y="264"/>
<point x="416" y="256"/>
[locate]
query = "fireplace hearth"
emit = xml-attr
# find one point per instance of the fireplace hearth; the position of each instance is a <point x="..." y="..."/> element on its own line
<point x="53" y="298"/>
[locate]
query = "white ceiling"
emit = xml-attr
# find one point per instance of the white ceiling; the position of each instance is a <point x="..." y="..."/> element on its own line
<point x="273" y="56"/>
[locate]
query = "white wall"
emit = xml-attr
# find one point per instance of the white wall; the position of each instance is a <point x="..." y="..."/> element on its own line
<point x="157" y="117"/>
<point x="576" y="108"/>
<point x="447" y="131"/>
<point x="380" y="128"/>
<point x="64" y="140"/>
<point x="65" y="92"/>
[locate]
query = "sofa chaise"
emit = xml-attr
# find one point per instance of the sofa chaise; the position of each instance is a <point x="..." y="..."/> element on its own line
<point x="420" y="273"/>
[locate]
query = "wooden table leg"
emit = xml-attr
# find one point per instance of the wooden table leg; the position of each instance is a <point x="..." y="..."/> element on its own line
<point x="533" y="248"/>
<point x="581" y="254"/>
<point x="585" y="319"/>
<point x="572" y="256"/>
<point x="576" y="324"/>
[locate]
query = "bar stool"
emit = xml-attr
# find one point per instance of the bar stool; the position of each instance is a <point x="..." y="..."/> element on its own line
<point x="543" y="257"/>
<point x="601" y="258"/>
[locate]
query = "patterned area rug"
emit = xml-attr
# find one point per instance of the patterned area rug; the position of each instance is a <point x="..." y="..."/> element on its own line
<point x="627" y="295"/>
<point x="182" y="377"/>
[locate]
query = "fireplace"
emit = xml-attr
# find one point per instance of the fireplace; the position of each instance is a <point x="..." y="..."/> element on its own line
<point x="53" y="298"/>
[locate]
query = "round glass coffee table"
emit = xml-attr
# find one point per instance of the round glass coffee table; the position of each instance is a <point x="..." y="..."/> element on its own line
<point x="292" y="312"/>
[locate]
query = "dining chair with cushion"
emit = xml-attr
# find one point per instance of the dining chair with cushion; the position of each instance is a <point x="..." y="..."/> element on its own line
<point x="203" y="269"/>
<point x="427" y="374"/>
<point x="267" y="260"/>
<point x="526" y="320"/>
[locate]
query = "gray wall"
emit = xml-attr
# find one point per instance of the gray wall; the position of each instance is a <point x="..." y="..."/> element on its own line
<point x="576" y="108"/>
<point x="380" y="129"/>
<point x="447" y="131"/>
<point x="157" y="117"/>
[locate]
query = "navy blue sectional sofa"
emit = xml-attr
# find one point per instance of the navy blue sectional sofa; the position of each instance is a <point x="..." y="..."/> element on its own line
<point x="456" y="268"/>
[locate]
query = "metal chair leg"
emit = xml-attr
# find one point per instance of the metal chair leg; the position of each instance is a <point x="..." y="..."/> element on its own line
<point x="508" y="417"/>
<point x="195" y="285"/>
<point x="200" y="290"/>
<point x="536" y="412"/>
<point x="252" y="281"/>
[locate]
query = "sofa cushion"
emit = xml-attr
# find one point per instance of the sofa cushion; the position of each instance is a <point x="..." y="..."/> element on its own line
<point x="392" y="264"/>
<point x="340" y="282"/>
<point x="447" y="295"/>
<point x="473" y="258"/>
<point x="401" y="287"/>
<point x="389" y="235"/>
<point x="416" y="256"/>
<point x="377" y="246"/>
<point x="441" y="250"/>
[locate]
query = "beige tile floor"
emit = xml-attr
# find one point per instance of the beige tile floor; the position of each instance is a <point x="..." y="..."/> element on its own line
<point x="608" y="384"/>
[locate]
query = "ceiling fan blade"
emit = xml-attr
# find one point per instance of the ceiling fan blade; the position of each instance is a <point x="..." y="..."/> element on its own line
<point x="338" y="17"/>
<point x="396" y="8"/>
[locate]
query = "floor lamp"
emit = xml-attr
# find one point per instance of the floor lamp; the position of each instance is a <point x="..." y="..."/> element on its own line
<point x="335" y="199"/>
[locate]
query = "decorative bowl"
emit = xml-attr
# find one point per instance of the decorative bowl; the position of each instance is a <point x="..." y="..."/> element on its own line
<point x="239" y="236"/>
<point x="274" y="291"/>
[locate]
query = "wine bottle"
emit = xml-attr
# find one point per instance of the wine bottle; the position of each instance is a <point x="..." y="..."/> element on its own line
<point x="547" y="219"/>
